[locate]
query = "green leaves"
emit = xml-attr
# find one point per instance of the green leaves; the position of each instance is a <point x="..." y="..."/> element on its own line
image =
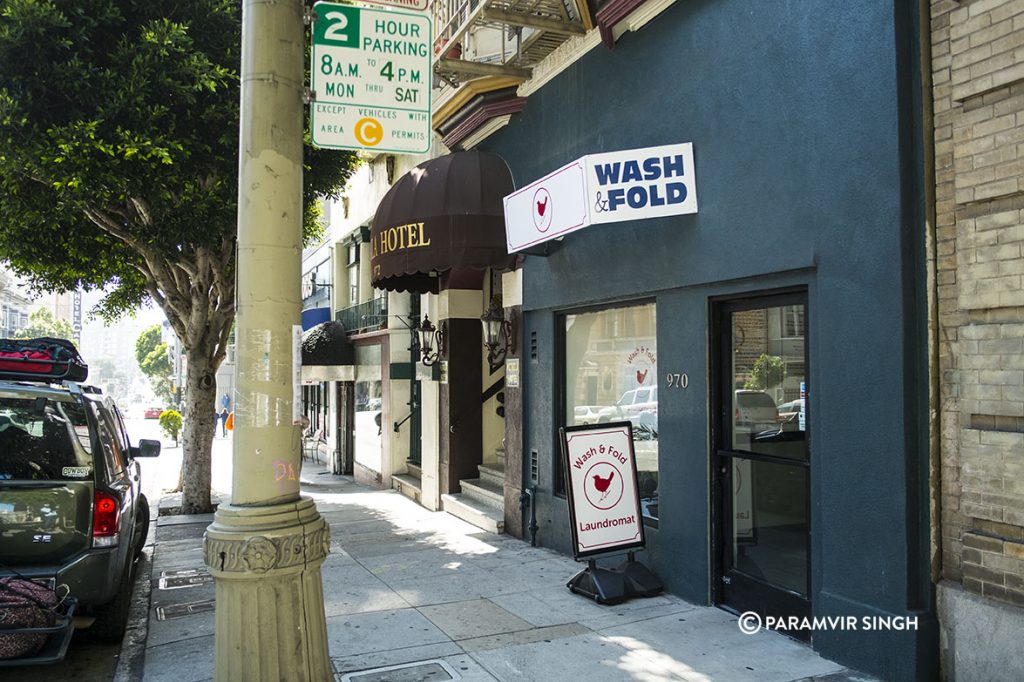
<point x="170" y="421"/>
<point x="154" y="358"/>
<point x="119" y="141"/>
<point x="42" y="323"/>
<point x="768" y="371"/>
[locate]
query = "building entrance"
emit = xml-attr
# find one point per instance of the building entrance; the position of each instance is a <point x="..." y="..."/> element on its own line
<point x="761" y="456"/>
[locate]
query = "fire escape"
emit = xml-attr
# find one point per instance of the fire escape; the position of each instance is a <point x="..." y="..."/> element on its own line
<point x="477" y="38"/>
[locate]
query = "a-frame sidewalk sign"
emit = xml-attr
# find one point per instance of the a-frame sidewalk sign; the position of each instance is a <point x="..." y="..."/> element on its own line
<point x="604" y="510"/>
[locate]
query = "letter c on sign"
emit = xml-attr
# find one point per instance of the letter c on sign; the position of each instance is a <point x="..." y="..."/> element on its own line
<point x="369" y="131"/>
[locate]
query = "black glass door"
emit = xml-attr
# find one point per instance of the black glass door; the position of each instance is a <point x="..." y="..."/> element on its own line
<point x="346" y="420"/>
<point x="761" y="456"/>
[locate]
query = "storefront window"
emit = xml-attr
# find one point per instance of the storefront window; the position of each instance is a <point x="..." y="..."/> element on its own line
<point x="316" y="406"/>
<point x="611" y="374"/>
<point x="368" y="405"/>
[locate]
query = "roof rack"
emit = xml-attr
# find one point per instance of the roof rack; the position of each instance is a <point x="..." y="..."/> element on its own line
<point x="42" y="359"/>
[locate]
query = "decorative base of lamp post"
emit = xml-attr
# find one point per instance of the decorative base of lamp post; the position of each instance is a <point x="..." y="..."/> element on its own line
<point x="270" y="621"/>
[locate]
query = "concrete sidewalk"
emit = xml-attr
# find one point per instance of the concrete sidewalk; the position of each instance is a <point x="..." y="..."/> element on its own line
<point x="428" y="597"/>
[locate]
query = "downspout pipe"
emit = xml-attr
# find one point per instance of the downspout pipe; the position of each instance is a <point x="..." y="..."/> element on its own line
<point x="527" y="498"/>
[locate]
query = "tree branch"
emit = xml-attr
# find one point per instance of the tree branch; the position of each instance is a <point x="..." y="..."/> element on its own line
<point x="142" y="209"/>
<point x="102" y="220"/>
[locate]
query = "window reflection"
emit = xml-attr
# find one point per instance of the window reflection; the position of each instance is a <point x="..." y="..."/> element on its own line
<point x="611" y="375"/>
<point x="769" y="414"/>
<point x="368" y="406"/>
<point x="770" y="528"/>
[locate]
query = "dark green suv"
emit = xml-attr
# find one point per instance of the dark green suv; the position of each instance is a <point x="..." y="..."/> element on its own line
<point x="72" y="514"/>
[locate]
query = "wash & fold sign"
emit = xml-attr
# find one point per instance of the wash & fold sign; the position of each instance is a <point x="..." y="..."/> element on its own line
<point x="604" y="499"/>
<point x="602" y="188"/>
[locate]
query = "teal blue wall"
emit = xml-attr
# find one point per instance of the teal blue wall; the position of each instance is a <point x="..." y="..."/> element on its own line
<point x="805" y="120"/>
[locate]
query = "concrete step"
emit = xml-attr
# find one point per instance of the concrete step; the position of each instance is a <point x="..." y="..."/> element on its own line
<point x="473" y="512"/>
<point x="493" y="473"/>
<point x="408" y="486"/>
<point x="484" y="491"/>
<point x="414" y="470"/>
<point x="500" y="453"/>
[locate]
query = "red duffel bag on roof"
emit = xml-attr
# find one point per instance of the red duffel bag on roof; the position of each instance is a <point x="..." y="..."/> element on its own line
<point x="42" y="358"/>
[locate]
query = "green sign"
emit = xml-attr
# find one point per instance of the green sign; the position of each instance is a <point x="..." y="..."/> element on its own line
<point x="371" y="79"/>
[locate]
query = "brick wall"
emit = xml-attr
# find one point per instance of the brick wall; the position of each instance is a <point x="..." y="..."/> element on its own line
<point x="978" y="89"/>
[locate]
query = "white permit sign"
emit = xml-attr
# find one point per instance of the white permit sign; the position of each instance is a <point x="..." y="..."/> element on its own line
<point x="371" y="79"/>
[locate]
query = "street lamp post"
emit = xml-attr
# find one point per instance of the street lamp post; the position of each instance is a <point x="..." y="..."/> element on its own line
<point x="265" y="548"/>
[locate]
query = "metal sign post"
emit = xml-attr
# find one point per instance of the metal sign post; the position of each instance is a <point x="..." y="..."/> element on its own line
<point x="371" y="79"/>
<point x="604" y="509"/>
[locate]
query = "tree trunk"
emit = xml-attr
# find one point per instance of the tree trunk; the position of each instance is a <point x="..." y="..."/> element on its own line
<point x="196" y="293"/>
<point x="198" y="431"/>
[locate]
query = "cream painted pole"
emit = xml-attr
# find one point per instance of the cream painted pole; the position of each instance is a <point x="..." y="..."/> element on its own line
<point x="265" y="548"/>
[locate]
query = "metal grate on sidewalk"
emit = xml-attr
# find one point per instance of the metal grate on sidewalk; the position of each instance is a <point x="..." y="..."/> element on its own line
<point x="175" y="580"/>
<point x="181" y="610"/>
<point x="434" y="670"/>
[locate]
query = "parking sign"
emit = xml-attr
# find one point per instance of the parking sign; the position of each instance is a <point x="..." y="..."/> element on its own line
<point x="371" y="79"/>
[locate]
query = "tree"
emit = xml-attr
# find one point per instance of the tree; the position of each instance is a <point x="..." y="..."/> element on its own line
<point x="154" y="358"/>
<point x="768" y="371"/>
<point x="170" y="422"/>
<point x="42" y="323"/>
<point x="119" y="169"/>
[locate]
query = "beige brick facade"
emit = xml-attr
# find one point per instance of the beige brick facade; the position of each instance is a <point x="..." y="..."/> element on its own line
<point x="978" y="89"/>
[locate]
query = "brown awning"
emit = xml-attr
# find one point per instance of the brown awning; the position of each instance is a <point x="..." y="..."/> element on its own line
<point x="327" y="354"/>
<point x="327" y="344"/>
<point x="445" y="214"/>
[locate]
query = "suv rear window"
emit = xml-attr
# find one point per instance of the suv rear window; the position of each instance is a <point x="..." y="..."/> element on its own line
<point x="43" y="439"/>
<point x="755" y="399"/>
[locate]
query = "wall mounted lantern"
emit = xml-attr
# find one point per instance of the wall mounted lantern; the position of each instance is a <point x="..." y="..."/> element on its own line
<point x="499" y="335"/>
<point x="431" y="341"/>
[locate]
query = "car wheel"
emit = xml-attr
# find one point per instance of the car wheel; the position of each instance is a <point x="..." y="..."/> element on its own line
<point x="141" y="527"/>
<point x="112" y="617"/>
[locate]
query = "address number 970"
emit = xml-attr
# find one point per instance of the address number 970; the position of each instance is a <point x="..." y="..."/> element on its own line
<point x="677" y="380"/>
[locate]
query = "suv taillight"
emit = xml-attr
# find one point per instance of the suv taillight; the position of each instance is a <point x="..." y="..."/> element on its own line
<point x="104" y="521"/>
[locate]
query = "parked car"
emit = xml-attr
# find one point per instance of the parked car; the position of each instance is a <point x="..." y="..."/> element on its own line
<point x="72" y="513"/>
<point x="586" y="414"/>
<point x="153" y="412"/>
<point x="755" y="408"/>
<point x="645" y="426"/>
<point x="791" y="410"/>
<point x="631" y="405"/>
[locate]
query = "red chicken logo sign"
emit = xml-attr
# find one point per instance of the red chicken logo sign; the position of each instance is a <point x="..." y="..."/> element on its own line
<point x="542" y="209"/>
<point x="603" y="486"/>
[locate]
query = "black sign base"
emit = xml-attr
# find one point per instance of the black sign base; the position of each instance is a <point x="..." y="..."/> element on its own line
<point x="605" y="586"/>
<point x="640" y="580"/>
<point x="615" y="585"/>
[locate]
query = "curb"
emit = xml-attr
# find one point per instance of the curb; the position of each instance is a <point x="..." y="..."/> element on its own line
<point x="132" y="660"/>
